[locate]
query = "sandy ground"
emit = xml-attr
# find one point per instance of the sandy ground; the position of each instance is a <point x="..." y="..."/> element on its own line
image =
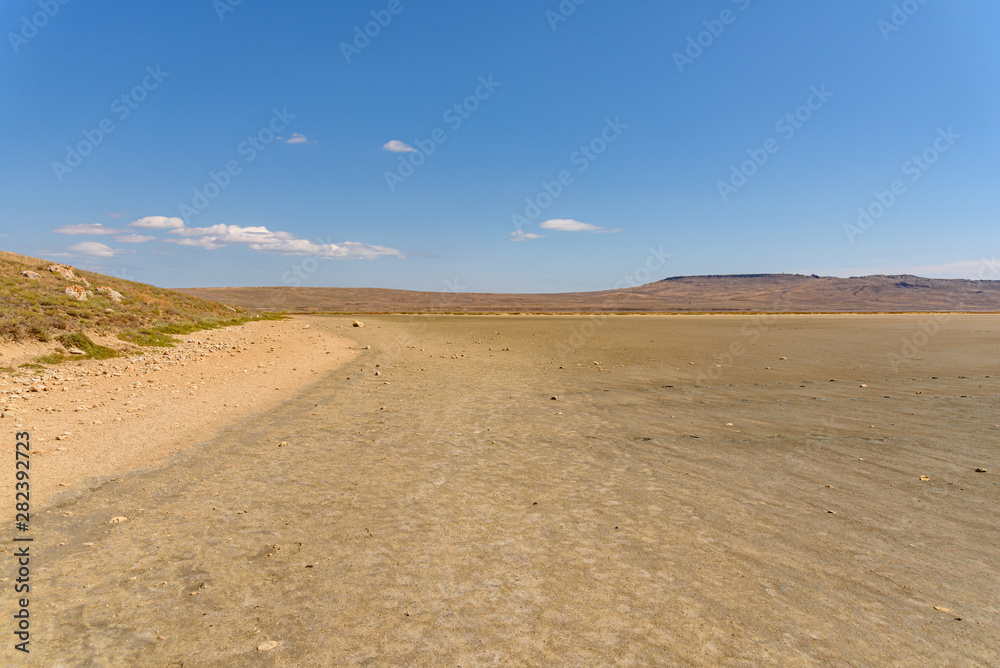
<point x="644" y="490"/>
<point x="99" y="418"/>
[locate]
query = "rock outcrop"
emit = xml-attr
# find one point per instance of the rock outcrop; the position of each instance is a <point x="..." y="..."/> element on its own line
<point x="111" y="294"/>
<point x="77" y="293"/>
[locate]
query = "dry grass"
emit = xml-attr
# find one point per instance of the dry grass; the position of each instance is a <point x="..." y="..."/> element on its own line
<point x="39" y="309"/>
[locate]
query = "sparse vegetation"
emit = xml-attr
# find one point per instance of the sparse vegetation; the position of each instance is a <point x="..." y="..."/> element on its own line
<point x="147" y="337"/>
<point x="38" y="309"/>
<point x="91" y="350"/>
<point x="161" y="335"/>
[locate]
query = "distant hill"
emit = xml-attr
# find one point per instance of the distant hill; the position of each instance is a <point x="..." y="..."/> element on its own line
<point x="681" y="294"/>
<point x="41" y="300"/>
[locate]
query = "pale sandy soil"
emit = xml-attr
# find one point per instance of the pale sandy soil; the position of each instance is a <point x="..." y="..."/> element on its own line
<point x="99" y="418"/>
<point x="731" y="491"/>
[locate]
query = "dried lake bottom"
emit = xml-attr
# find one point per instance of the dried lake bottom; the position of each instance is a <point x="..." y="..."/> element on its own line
<point x="565" y="490"/>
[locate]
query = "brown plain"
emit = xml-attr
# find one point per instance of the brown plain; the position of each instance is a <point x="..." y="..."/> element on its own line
<point x="561" y="490"/>
<point x="749" y="293"/>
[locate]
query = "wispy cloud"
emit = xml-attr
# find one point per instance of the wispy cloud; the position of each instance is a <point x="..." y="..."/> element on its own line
<point x="93" y="249"/>
<point x="157" y="223"/>
<point x="298" y="138"/>
<point x="397" y="146"/>
<point x="263" y="240"/>
<point x="569" y="225"/>
<point x="521" y="235"/>
<point x="87" y="228"/>
<point x="115" y="214"/>
<point x="258" y="239"/>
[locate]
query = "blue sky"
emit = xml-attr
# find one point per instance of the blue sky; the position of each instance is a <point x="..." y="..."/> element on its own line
<point x="535" y="146"/>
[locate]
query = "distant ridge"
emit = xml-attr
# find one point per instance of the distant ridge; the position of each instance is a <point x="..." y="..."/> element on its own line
<point x="719" y="293"/>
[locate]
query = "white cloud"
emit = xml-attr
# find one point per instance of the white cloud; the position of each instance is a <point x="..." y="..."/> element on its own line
<point x="115" y="214"/>
<point x="134" y="238"/>
<point x="521" y="235"/>
<point x="397" y="146"/>
<point x="157" y="223"/>
<point x="87" y="228"/>
<point x="93" y="249"/>
<point x="263" y="240"/>
<point x="566" y="225"/>
<point x="298" y="138"/>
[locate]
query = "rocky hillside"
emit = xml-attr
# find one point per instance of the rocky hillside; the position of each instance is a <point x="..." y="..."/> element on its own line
<point x="44" y="301"/>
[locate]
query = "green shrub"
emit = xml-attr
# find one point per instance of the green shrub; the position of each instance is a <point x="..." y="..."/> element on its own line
<point x="91" y="350"/>
<point x="147" y="337"/>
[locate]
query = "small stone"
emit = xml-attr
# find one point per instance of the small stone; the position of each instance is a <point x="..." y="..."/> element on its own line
<point x="940" y="609"/>
<point x="862" y="385"/>
<point x="267" y="645"/>
<point x="357" y="323"/>
<point x="981" y="471"/>
<point x="111" y="293"/>
<point x="118" y="520"/>
<point x="75" y="351"/>
<point x="283" y="444"/>
<point x="555" y="398"/>
<point x="925" y="478"/>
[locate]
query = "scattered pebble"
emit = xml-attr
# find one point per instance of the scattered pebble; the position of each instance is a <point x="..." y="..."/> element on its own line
<point x="118" y="520"/>
<point x="267" y="645"/>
